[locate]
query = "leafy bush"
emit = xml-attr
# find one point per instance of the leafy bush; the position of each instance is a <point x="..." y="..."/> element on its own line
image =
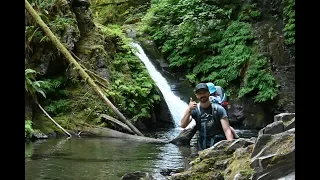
<point x="289" y="21"/>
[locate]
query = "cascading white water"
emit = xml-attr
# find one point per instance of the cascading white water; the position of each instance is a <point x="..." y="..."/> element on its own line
<point x="176" y="106"/>
<point x="170" y="157"/>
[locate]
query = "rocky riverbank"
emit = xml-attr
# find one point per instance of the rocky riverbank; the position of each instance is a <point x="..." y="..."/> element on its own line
<point x="269" y="156"/>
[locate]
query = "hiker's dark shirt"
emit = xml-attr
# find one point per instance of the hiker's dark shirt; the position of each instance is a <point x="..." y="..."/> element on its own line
<point x="213" y="126"/>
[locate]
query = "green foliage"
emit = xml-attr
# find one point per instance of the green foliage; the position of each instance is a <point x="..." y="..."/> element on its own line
<point x="132" y="91"/>
<point x="58" y="106"/>
<point x="233" y="55"/>
<point x="114" y="31"/>
<point x="249" y="12"/>
<point x="57" y="101"/>
<point x="33" y="86"/>
<point x="54" y="85"/>
<point x="117" y="11"/>
<point x="51" y="12"/>
<point x="184" y="29"/>
<point x="289" y="21"/>
<point x="135" y="95"/>
<point x="211" y="41"/>
<point x="28" y="130"/>
<point x="259" y="77"/>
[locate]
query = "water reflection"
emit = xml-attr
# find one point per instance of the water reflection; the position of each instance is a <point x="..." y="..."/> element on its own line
<point x="99" y="158"/>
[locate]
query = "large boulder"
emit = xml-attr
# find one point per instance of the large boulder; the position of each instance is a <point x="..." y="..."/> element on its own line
<point x="282" y="122"/>
<point x="274" y="155"/>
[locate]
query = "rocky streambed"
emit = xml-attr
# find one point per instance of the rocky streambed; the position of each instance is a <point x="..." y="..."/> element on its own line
<point x="271" y="155"/>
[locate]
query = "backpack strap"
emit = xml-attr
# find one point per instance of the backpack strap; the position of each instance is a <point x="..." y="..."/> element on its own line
<point x="202" y="128"/>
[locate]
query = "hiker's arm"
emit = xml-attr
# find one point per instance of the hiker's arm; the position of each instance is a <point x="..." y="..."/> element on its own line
<point x="226" y="128"/>
<point x="186" y="119"/>
<point x="225" y="123"/>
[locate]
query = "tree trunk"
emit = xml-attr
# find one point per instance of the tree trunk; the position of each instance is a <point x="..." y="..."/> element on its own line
<point x="106" y="132"/>
<point x="81" y="71"/>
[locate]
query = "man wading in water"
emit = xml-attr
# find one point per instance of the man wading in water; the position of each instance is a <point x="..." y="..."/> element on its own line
<point x="211" y="118"/>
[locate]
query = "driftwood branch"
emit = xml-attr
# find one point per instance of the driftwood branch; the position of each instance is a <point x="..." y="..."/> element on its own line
<point x="110" y="133"/>
<point x="45" y="112"/>
<point x="114" y="120"/>
<point x="81" y="71"/>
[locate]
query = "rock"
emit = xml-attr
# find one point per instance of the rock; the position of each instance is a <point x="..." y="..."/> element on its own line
<point x="273" y="155"/>
<point x="80" y="3"/>
<point x="131" y="33"/>
<point x="137" y="175"/>
<point x="39" y="135"/>
<point x="273" y="128"/>
<point x="289" y="124"/>
<point x="239" y="143"/>
<point x="269" y="156"/>
<point x="162" y="113"/>
<point x="290" y="176"/>
<point x="184" y="137"/>
<point x="260" y="143"/>
<point x="52" y="135"/>
<point x="284" y="117"/>
<point x="244" y="112"/>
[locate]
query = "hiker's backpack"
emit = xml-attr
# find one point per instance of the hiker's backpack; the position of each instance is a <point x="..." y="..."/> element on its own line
<point x="222" y="94"/>
<point x="224" y="101"/>
<point x="201" y="126"/>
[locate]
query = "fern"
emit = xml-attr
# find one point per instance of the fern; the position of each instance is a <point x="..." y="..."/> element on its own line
<point x="58" y="106"/>
<point x="258" y="77"/>
<point x="289" y="21"/>
<point x="28" y="130"/>
<point x="33" y="86"/>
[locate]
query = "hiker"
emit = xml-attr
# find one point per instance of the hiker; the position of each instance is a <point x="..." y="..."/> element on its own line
<point x="211" y="118"/>
<point x="215" y="98"/>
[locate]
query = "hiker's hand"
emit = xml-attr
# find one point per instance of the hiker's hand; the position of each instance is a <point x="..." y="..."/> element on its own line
<point x="192" y="104"/>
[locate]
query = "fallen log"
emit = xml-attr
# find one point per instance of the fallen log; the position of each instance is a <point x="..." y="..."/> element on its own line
<point x="80" y="70"/>
<point x="110" y="133"/>
<point x="116" y="121"/>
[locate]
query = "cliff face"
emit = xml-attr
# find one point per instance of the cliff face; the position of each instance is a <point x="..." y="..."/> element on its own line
<point x="275" y="34"/>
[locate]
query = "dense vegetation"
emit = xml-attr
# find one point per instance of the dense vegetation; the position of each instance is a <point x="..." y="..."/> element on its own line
<point x="214" y="41"/>
<point x="66" y="97"/>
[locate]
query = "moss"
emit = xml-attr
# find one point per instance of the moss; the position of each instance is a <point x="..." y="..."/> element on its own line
<point x="260" y="118"/>
<point x="43" y="123"/>
<point x="281" y="147"/>
<point x="240" y="164"/>
<point x="287" y="123"/>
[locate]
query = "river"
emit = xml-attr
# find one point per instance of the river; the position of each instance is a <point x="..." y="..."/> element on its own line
<point x="107" y="158"/>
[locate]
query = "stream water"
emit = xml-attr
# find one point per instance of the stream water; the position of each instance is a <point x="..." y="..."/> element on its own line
<point x="107" y="158"/>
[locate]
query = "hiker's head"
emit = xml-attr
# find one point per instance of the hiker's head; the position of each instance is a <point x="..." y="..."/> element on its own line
<point x="202" y="92"/>
<point x="212" y="88"/>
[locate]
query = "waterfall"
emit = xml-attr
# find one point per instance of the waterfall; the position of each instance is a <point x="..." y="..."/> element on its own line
<point x="176" y="106"/>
